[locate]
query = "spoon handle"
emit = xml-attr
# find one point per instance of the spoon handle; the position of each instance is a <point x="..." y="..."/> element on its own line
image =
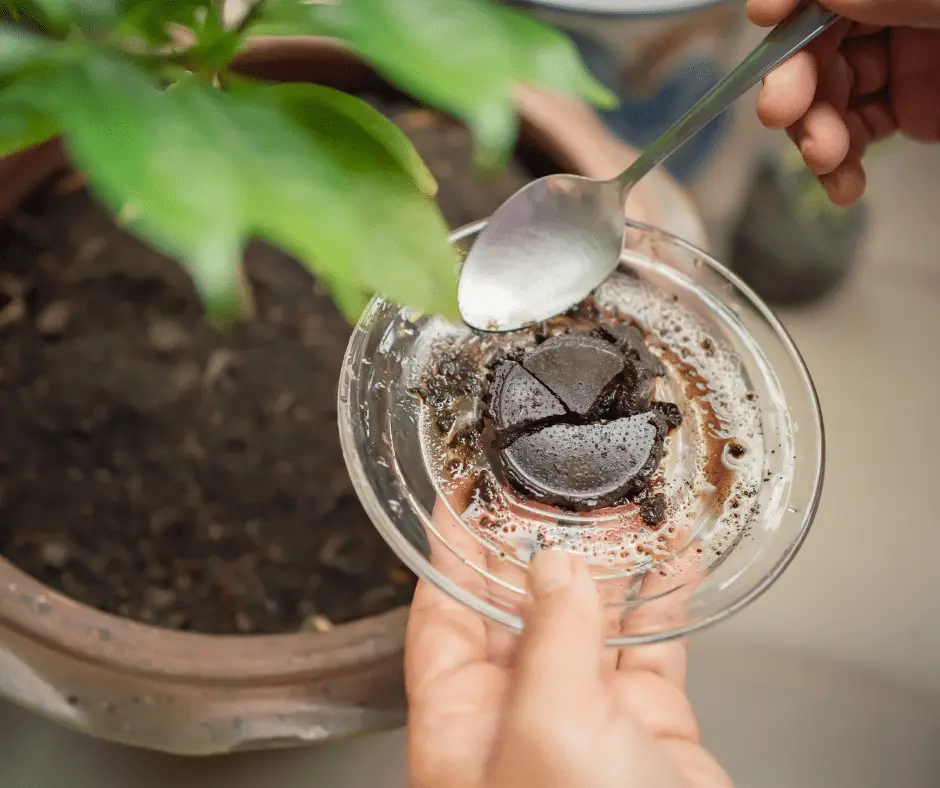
<point x="802" y="26"/>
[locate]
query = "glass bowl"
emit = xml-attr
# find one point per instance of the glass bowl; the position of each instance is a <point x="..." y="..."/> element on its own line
<point x="716" y="559"/>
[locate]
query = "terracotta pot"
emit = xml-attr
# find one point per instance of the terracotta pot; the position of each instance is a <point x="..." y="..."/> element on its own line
<point x="198" y="694"/>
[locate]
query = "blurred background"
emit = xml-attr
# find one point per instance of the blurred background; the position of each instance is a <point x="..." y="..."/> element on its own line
<point x="832" y="678"/>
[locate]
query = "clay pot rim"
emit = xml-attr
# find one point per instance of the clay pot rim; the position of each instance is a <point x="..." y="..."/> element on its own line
<point x="32" y="609"/>
<point x="36" y="612"/>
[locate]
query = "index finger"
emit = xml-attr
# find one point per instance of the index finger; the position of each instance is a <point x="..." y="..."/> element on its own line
<point x="667" y="599"/>
<point x="769" y="12"/>
<point x="444" y="635"/>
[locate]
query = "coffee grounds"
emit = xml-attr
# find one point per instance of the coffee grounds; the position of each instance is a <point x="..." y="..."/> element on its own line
<point x="575" y="424"/>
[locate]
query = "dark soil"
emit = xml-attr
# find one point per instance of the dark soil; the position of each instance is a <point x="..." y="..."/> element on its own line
<point x="161" y="469"/>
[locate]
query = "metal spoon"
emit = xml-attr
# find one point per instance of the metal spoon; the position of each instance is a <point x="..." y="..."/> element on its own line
<point x="556" y="239"/>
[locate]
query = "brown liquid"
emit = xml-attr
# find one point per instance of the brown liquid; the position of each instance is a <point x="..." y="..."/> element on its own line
<point x="692" y="479"/>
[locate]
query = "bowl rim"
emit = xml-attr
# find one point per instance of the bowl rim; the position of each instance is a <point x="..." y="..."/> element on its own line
<point x="625" y="9"/>
<point x="423" y="568"/>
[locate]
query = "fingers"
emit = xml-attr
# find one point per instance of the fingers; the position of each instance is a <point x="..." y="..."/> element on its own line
<point x="821" y="134"/>
<point x="443" y="634"/>
<point x="788" y="91"/>
<point x="560" y="654"/>
<point x="502" y="643"/>
<point x="915" y="84"/>
<point x="810" y="95"/>
<point x="907" y="13"/>
<point x="667" y="660"/>
<point x="616" y="596"/>
<point x="442" y="637"/>
<point x="667" y="599"/>
<point x="651" y="679"/>
<point x="663" y="709"/>
<point x="822" y="137"/>
<point x="846" y="184"/>
<point x="839" y="127"/>
<point x="876" y="115"/>
<point x="912" y="13"/>
<point x="859" y="138"/>
<point x="769" y="12"/>
<point x="867" y="57"/>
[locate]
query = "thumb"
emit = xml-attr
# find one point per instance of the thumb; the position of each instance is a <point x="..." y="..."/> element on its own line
<point x="560" y="654"/>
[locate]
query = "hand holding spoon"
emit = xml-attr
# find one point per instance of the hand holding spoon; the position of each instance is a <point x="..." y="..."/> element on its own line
<point x="556" y="239"/>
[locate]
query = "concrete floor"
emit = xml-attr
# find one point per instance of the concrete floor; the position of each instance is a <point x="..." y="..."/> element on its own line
<point x="832" y="678"/>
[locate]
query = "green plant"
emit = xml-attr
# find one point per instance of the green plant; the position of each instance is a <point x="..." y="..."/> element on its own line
<point x="196" y="160"/>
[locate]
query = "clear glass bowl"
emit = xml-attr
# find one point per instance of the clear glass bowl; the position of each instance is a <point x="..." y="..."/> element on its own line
<point x="713" y="566"/>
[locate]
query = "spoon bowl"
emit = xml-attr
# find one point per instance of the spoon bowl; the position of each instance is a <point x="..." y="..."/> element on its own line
<point x="574" y="220"/>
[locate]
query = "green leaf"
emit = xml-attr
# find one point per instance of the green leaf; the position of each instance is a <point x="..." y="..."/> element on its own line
<point x="463" y="56"/>
<point x="215" y="44"/>
<point x="353" y="202"/>
<point x="20" y="48"/>
<point x="284" y="17"/>
<point x="22" y="127"/>
<point x="196" y="171"/>
<point x="60" y="13"/>
<point x="315" y="107"/>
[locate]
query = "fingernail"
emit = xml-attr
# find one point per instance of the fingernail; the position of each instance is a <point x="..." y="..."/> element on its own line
<point x="549" y="571"/>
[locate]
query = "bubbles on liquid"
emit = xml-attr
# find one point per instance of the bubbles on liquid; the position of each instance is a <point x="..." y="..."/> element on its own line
<point x="733" y="454"/>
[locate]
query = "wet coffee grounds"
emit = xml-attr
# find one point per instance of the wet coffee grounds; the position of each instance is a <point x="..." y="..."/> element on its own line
<point x="575" y="424"/>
